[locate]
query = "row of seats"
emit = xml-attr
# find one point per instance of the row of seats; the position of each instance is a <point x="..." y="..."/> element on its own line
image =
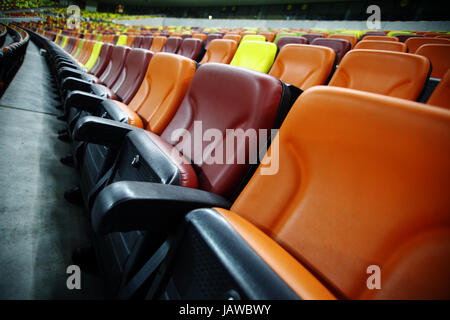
<point x="306" y="229"/>
<point x="11" y="56"/>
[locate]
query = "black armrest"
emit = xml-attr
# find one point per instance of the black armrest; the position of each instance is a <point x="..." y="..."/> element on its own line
<point x="83" y="101"/>
<point x="101" y="131"/>
<point x="67" y="63"/>
<point x="71" y="84"/>
<point x="130" y="205"/>
<point x="66" y="72"/>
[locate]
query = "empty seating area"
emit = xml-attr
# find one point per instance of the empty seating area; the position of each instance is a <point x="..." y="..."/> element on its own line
<point x="235" y="163"/>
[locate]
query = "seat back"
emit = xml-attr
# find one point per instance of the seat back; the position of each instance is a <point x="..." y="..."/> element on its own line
<point x="172" y="44"/>
<point x="102" y="60"/>
<point x="396" y="74"/>
<point x="441" y="94"/>
<point x="94" y="55"/>
<point x="220" y="51"/>
<point x="121" y="40"/>
<point x="255" y="55"/>
<point x="130" y="41"/>
<point x="86" y="51"/>
<point x="381" y="38"/>
<point x="382" y="45"/>
<point x="311" y="36"/>
<point x="303" y="65"/>
<point x="137" y="42"/>
<point x="191" y="48"/>
<point x="340" y="46"/>
<point x="216" y="98"/>
<point x="439" y="55"/>
<point x="351" y="192"/>
<point x="210" y="38"/>
<point x="146" y="42"/>
<point x="270" y="36"/>
<point x="132" y="73"/>
<point x="414" y="43"/>
<point x="253" y="37"/>
<point x="372" y="33"/>
<point x="200" y="36"/>
<point x="282" y="41"/>
<point x="283" y="34"/>
<point x="158" y="43"/>
<point x="163" y="88"/>
<point x="114" y="66"/>
<point x="351" y="38"/>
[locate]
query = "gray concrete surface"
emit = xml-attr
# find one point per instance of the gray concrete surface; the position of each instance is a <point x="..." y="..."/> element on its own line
<point x="38" y="228"/>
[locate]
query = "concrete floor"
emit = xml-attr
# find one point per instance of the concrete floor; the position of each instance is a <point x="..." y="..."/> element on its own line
<point x="38" y="228"/>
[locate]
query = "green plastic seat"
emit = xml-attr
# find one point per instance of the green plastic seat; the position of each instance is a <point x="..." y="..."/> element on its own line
<point x="255" y="55"/>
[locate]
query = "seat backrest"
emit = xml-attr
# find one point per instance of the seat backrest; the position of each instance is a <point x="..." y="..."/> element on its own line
<point x="372" y="33"/>
<point x="381" y="38"/>
<point x="282" y="41"/>
<point x="220" y="51"/>
<point x="255" y="55"/>
<point x="121" y="40"/>
<point x="404" y="37"/>
<point x="303" y="65"/>
<point x="86" y="51"/>
<point x="158" y="43"/>
<point x="351" y="38"/>
<point x="283" y="34"/>
<point x="216" y="98"/>
<point x="439" y="55"/>
<point x="137" y="42"/>
<point x="200" y="36"/>
<point x="130" y="41"/>
<point x="311" y="36"/>
<point x="235" y="37"/>
<point x="146" y="42"/>
<point x="163" y="88"/>
<point x="94" y="55"/>
<point x="396" y="74"/>
<point x="382" y="45"/>
<point x="191" y="48"/>
<point x="172" y="44"/>
<point x="340" y="46"/>
<point x="132" y="73"/>
<point x="115" y="65"/>
<point x="414" y="43"/>
<point x="102" y="60"/>
<point x="253" y="37"/>
<point x="210" y="38"/>
<point x="351" y="192"/>
<point x="441" y="94"/>
<point x="270" y="36"/>
<point x="186" y="35"/>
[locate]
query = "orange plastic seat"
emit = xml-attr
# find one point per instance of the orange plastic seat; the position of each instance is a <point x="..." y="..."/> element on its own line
<point x="270" y="36"/>
<point x="220" y="51"/>
<point x="395" y="74"/>
<point x="234" y="37"/>
<point x="381" y="38"/>
<point x="414" y="43"/>
<point x="303" y="66"/>
<point x="439" y="55"/>
<point x="351" y="192"/>
<point x="441" y="94"/>
<point x="200" y="36"/>
<point x="381" y="45"/>
<point x="352" y="39"/>
<point x="158" y="43"/>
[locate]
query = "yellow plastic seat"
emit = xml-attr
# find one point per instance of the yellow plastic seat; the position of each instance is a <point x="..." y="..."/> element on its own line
<point x="255" y="55"/>
<point x="253" y="37"/>
<point x="94" y="55"/>
<point x="122" y="40"/>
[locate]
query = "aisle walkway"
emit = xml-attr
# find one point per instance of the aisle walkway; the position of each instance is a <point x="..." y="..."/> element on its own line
<point x="38" y="228"/>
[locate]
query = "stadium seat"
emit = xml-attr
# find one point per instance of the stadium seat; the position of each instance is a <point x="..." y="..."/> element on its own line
<point x="172" y="44"/>
<point x="441" y="94"/>
<point x="336" y="209"/>
<point x="191" y="48"/>
<point x="382" y="45"/>
<point x="414" y="43"/>
<point x="282" y="41"/>
<point x="439" y="55"/>
<point x="283" y="34"/>
<point x="220" y="51"/>
<point x="270" y="36"/>
<point x="235" y="37"/>
<point x="210" y="38"/>
<point x="200" y="36"/>
<point x="395" y="74"/>
<point x="230" y="109"/>
<point x="311" y="36"/>
<point x="340" y="46"/>
<point x="146" y="42"/>
<point x="381" y="38"/>
<point x="94" y="55"/>
<point x="303" y="66"/>
<point x="253" y="37"/>
<point x="351" y="38"/>
<point x="256" y="55"/>
<point x="158" y="43"/>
